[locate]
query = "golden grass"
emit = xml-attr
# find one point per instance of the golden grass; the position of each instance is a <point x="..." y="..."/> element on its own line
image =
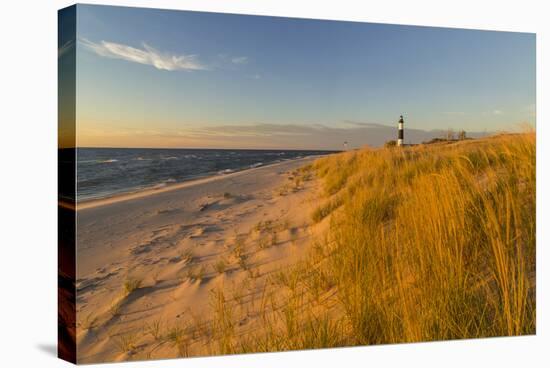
<point x="155" y="329"/>
<point x="178" y="338"/>
<point x="126" y="343"/>
<point x="130" y="285"/>
<point x="220" y="266"/>
<point x="425" y="243"/>
<point x="434" y="242"/>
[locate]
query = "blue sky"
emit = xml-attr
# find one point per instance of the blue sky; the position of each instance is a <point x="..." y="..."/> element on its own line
<point x="173" y="78"/>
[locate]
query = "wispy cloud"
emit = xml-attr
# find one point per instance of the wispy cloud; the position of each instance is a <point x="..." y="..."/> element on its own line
<point x="362" y="124"/>
<point x="239" y="60"/>
<point x="255" y="130"/>
<point x="312" y="136"/>
<point x="497" y="112"/>
<point x="259" y="135"/>
<point x="148" y="55"/>
<point x="65" y="48"/>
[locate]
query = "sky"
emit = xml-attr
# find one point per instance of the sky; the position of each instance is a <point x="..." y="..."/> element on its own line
<point x="161" y="78"/>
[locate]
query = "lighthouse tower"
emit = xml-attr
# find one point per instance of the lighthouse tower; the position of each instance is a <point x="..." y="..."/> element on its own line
<point x="400" y="132"/>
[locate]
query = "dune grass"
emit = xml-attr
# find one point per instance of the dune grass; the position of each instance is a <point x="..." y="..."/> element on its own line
<point x="131" y="284"/>
<point x="126" y="343"/>
<point x="435" y="242"/>
<point x="155" y="329"/>
<point x="178" y="337"/>
<point x="424" y="243"/>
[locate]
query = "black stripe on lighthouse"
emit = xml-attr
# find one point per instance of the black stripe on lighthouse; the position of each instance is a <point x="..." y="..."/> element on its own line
<point x="400" y="133"/>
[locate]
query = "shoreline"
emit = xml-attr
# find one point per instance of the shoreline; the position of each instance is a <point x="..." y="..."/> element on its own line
<point x="216" y="234"/>
<point x="146" y="192"/>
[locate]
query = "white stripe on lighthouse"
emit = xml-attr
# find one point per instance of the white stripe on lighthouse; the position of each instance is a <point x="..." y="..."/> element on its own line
<point x="400" y="126"/>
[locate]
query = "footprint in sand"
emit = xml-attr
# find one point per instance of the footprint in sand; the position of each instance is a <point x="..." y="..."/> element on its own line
<point x="175" y="259"/>
<point x="140" y="249"/>
<point x="91" y="283"/>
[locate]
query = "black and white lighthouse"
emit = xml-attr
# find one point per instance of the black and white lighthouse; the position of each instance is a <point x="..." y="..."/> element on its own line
<point x="400" y="133"/>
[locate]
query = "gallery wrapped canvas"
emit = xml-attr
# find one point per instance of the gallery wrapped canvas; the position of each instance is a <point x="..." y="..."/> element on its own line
<point x="240" y="184"/>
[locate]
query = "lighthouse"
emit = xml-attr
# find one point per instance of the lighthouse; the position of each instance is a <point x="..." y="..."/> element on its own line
<point x="400" y="132"/>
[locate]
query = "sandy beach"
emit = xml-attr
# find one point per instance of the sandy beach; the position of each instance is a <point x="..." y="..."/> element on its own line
<point x="156" y="257"/>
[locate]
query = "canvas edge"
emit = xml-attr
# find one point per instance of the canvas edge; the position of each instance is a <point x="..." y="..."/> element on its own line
<point x="66" y="228"/>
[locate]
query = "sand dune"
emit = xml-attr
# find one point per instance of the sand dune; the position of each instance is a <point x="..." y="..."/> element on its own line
<point x="296" y="256"/>
<point x="156" y="258"/>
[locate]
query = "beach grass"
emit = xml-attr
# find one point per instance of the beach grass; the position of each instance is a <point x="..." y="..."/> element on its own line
<point x="131" y="284"/>
<point x="424" y="243"/>
<point x="126" y="343"/>
<point x="155" y="329"/>
<point x="435" y="242"/>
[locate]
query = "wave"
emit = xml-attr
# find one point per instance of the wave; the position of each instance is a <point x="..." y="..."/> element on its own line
<point x="158" y="186"/>
<point x="106" y="172"/>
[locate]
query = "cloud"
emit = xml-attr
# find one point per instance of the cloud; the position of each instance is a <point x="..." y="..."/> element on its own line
<point x="65" y="48"/>
<point x="256" y="136"/>
<point x="363" y="124"/>
<point x="497" y="112"/>
<point x="147" y="56"/>
<point x="299" y="136"/>
<point x="255" y="130"/>
<point x="239" y="60"/>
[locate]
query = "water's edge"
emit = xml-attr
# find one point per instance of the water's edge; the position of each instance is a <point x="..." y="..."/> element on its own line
<point x="105" y="173"/>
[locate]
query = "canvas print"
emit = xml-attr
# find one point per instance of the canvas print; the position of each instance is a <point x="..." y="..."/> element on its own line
<point x="240" y="184"/>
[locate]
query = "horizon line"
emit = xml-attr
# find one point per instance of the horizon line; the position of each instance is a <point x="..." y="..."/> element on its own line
<point x="203" y="148"/>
